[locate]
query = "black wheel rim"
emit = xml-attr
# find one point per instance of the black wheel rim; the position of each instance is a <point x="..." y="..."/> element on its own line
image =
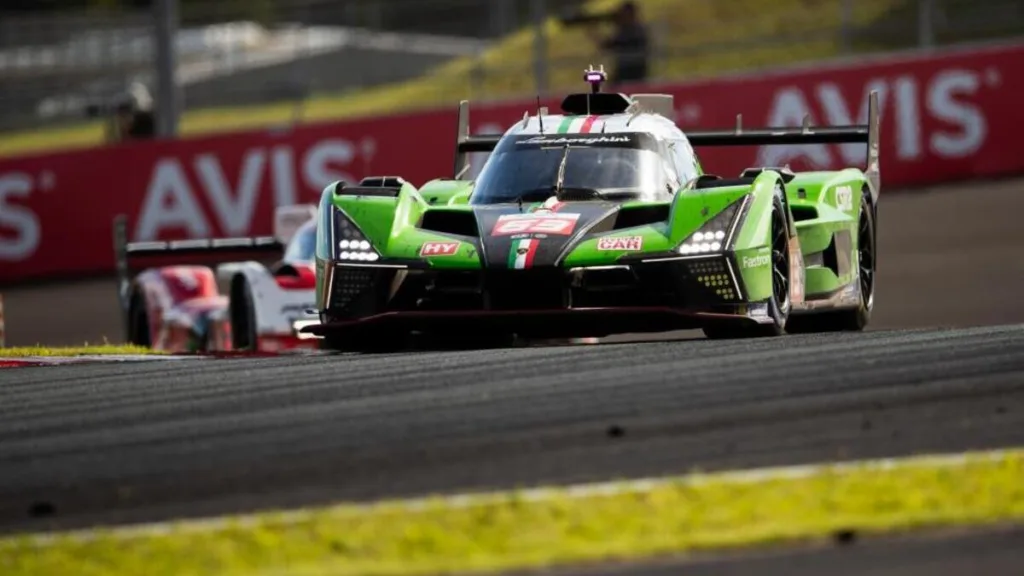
<point x="866" y="255"/>
<point x="780" y="261"/>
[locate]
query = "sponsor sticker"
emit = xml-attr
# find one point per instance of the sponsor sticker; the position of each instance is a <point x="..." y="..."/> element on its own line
<point x="756" y="261"/>
<point x="629" y="243"/>
<point x="439" y="248"/>
<point x="520" y="256"/>
<point x="552" y="204"/>
<point x="844" y="198"/>
<point x="553" y="223"/>
<point x="574" y="140"/>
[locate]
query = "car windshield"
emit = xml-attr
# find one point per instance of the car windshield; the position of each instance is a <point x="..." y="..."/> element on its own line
<point x="613" y="166"/>
<point x="302" y="245"/>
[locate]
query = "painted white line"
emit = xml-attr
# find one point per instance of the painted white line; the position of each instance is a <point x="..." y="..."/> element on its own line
<point x="589" y="490"/>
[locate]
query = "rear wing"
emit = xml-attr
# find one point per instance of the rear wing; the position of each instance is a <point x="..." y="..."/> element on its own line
<point x="133" y="257"/>
<point x="807" y="134"/>
<point x="869" y="134"/>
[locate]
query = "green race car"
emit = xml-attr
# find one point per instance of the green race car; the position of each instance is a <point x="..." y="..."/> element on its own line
<point x="600" y="221"/>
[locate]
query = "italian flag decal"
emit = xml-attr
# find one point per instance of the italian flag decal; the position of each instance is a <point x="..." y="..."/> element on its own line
<point x="577" y="124"/>
<point x="521" y="255"/>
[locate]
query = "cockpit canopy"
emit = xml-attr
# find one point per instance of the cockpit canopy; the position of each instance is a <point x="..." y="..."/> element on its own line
<point x="618" y="166"/>
<point x="302" y="246"/>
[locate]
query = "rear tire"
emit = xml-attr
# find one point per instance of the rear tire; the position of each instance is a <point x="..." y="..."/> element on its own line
<point x="242" y="313"/>
<point x="779" y="303"/>
<point x="138" y="321"/>
<point x="856" y="319"/>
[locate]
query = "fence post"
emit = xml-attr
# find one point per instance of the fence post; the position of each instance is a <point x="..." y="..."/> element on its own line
<point x="926" y="23"/>
<point x="846" y="25"/>
<point x="165" y="41"/>
<point x="538" y="13"/>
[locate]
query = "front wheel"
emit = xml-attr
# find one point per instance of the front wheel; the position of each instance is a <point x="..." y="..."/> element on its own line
<point x="242" y="313"/>
<point x="138" y="321"/>
<point x="779" y="303"/>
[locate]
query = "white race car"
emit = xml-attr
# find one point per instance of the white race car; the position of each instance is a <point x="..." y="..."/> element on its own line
<point x="233" y="294"/>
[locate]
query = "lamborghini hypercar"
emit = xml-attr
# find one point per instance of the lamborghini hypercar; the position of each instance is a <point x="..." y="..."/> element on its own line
<point x="597" y="221"/>
<point x="231" y="294"/>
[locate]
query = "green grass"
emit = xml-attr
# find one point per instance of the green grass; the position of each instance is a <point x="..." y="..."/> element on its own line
<point x="522" y="530"/>
<point x="737" y="32"/>
<point x="85" y="350"/>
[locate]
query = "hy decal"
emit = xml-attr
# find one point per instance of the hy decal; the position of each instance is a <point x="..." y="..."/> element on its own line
<point x="439" y="248"/>
<point x="627" y="243"/>
<point x="520" y="257"/>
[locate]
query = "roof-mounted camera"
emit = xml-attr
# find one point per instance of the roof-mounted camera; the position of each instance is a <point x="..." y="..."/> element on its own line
<point x="595" y="78"/>
<point x="595" y="101"/>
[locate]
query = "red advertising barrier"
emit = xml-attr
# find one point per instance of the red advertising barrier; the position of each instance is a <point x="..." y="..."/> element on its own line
<point x="945" y="116"/>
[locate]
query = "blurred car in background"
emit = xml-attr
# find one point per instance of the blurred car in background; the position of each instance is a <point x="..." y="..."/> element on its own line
<point x="231" y="294"/>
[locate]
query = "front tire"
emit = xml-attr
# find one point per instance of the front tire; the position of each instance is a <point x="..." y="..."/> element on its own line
<point x="242" y="313"/>
<point x="138" y="321"/>
<point x="779" y="304"/>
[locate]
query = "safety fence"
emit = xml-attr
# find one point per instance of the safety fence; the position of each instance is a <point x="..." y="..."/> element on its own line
<point x="946" y="115"/>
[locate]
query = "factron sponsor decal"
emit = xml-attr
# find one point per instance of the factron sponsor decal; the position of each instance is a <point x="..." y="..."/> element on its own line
<point x="554" y="223"/>
<point x="520" y="257"/>
<point x="439" y="248"/>
<point x="627" y="243"/>
<point x="756" y="261"/>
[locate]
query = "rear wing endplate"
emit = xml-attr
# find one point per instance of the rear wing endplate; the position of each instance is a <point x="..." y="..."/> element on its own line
<point x="465" y="144"/>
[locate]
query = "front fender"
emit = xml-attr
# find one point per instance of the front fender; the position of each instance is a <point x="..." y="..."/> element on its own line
<point x="275" y="308"/>
<point x="444" y="192"/>
<point x="752" y="245"/>
<point x="257" y="279"/>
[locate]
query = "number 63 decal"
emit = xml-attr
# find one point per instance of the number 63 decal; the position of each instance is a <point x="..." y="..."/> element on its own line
<point x="557" y="224"/>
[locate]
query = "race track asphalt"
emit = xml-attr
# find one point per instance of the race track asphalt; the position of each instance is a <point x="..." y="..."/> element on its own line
<point x="116" y="442"/>
<point x="102" y="444"/>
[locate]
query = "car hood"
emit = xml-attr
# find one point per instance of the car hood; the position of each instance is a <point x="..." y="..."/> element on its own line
<point x="540" y="236"/>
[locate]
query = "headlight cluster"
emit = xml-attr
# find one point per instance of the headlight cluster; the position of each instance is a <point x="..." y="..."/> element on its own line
<point x="352" y="244"/>
<point x="714" y="234"/>
<point x="710" y="241"/>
